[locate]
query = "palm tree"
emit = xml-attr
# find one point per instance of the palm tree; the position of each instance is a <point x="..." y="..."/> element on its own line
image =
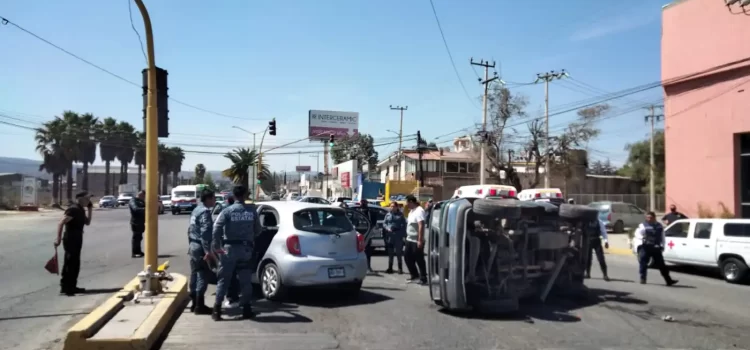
<point x="126" y="148"/>
<point x="200" y="173"/>
<point x="177" y="156"/>
<point x="242" y="159"/>
<point x="86" y="131"/>
<point x="49" y="145"/>
<point x="70" y="147"/>
<point x="108" y="136"/>
<point x="164" y="166"/>
<point x="140" y="156"/>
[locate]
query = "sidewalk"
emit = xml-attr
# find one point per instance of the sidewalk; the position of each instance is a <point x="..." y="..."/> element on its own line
<point x="619" y="244"/>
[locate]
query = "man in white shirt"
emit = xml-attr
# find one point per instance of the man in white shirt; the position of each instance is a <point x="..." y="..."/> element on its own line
<point x="598" y="233"/>
<point x="414" y="249"/>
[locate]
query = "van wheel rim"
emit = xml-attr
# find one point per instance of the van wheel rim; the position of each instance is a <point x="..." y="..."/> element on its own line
<point x="270" y="281"/>
<point x="730" y="271"/>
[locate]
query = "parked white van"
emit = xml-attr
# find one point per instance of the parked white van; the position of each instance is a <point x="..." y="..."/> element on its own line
<point x="719" y="243"/>
<point x="484" y="191"/>
<point x="184" y="198"/>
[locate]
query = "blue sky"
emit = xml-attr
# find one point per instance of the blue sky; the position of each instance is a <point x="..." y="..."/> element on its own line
<point x="264" y="59"/>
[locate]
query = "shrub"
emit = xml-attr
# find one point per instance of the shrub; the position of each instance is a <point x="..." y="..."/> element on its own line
<point x="706" y="212"/>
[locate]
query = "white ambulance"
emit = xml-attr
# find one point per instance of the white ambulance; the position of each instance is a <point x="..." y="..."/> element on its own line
<point x="552" y="195"/>
<point x="484" y="191"/>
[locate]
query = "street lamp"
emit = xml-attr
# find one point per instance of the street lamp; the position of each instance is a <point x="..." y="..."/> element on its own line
<point x="391" y="131"/>
<point x="249" y="132"/>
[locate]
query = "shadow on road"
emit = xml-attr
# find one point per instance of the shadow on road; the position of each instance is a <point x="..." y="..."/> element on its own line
<point x="698" y="271"/>
<point x="558" y="309"/>
<point x="42" y="316"/>
<point x="166" y="256"/>
<point x="270" y="312"/>
<point x="102" y="290"/>
<point x="328" y="299"/>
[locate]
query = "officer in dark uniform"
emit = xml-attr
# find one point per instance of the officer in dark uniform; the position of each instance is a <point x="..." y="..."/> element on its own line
<point x="233" y="239"/>
<point x="137" y="223"/>
<point x="199" y="235"/>
<point x="651" y="235"/>
<point x="74" y="219"/>
<point x="597" y="234"/>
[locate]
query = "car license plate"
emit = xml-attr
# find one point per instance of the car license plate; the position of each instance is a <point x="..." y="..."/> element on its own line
<point x="336" y="272"/>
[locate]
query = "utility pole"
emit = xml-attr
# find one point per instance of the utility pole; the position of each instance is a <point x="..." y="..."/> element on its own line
<point x="400" y="129"/>
<point x="546" y="78"/>
<point x="653" y="118"/>
<point x="486" y="82"/>
<point x="420" y="150"/>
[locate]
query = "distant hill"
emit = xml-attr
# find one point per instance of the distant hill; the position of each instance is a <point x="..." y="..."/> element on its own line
<point x="24" y="166"/>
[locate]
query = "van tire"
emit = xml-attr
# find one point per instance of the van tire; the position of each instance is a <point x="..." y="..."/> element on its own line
<point x="498" y="208"/>
<point x="578" y="212"/>
<point x="619" y="227"/>
<point x="734" y="270"/>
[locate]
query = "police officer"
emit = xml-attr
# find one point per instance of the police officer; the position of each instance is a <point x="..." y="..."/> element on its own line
<point x="394" y="225"/>
<point x="651" y="235"/>
<point x="199" y="236"/>
<point x="137" y="223"/>
<point x="597" y="234"/>
<point x="233" y="239"/>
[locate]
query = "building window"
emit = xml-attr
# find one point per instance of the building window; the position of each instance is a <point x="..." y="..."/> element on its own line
<point x="744" y="176"/>
<point x="411" y="165"/>
<point x="461" y="167"/>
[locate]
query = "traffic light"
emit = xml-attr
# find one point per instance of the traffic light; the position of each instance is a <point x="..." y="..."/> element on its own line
<point x="259" y="178"/>
<point x="330" y="141"/>
<point x="162" y="101"/>
<point x="272" y="127"/>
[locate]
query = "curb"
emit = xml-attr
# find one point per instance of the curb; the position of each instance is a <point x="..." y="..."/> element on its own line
<point x="147" y="334"/>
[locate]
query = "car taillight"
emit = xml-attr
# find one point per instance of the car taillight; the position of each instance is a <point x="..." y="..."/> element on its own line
<point x="292" y="245"/>
<point x="511" y="193"/>
<point x="493" y="192"/>
<point x="360" y="243"/>
<point x="538" y="195"/>
<point x="193" y="201"/>
<point x="479" y="191"/>
<point x="609" y="217"/>
<point x="558" y="195"/>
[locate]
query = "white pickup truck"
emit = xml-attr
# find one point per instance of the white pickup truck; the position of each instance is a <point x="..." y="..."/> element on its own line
<point x="723" y="244"/>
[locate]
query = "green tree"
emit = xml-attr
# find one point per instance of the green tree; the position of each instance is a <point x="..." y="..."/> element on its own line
<point x="164" y="166"/>
<point x="359" y="147"/>
<point x="209" y="181"/>
<point x="140" y="156"/>
<point x="242" y="159"/>
<point x="599" y="167"/>
<point x="107" y="134"/>
<point x="639" y="162"/>
<point x="86" y="130"/>
<point x="126" y="144"/>
<point x="200" y="173"/>
<point x="49" y="144"/>
<point x="176" y="157"/>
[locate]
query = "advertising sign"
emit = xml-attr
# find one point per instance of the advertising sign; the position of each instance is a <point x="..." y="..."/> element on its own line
<point x="346" y="179"/>
<point x="28" y="191"/>
<point x="303" y="168"/>
<point x="322" y="124"/>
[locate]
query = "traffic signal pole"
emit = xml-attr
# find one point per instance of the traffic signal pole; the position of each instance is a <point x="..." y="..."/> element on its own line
<point x="152" y="156"/>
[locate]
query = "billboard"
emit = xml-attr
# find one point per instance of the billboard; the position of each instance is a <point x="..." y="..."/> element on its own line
<point x="303" y="168"/>
<point x="346" y="179"/>
<point x="322" y="124"/>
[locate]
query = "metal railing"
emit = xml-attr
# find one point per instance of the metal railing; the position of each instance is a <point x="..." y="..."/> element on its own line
<point x="639" y="200"/>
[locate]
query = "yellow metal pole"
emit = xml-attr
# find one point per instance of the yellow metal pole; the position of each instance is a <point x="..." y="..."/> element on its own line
<point x="152" y="154"/>
<point x="259" y="166"/>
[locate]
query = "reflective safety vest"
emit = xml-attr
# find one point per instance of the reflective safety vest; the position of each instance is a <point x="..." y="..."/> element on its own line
<point x="653" y="235"/>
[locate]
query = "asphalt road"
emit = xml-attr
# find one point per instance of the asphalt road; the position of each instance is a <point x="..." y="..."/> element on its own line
<point x="707" y="313"/>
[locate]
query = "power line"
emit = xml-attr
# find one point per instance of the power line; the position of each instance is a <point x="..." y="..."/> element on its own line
<point x="450" y="55"/>
<point x="6" y="21"/>
<point x="132" y="25"/>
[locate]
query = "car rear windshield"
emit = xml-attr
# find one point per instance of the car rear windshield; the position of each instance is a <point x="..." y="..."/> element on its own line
<point x="165" y="198"/>
<point x="189" y="194"/>
<point x="602" y="207"/>
<point x="127" y="195"/>
<point x="322" y="220"/>
<point x="219" y="198"/>
<point x="343" y="199"/>
<point x="108" y="197"/>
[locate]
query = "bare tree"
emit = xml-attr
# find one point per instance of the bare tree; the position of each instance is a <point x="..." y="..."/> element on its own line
<point x="502" y="106"/>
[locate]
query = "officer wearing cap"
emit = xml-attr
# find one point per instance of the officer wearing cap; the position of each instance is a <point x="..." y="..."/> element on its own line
<point x="199" y="236"/>
<point x="75" y="218"/>
<point x="137" y="207"/>
<point x="233" y="239"/>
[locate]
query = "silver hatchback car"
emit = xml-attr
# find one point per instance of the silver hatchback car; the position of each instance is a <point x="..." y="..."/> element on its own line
<point x="307" y="244"/>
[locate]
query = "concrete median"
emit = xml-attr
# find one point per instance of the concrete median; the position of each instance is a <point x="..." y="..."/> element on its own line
<point x="119" y="323"/>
